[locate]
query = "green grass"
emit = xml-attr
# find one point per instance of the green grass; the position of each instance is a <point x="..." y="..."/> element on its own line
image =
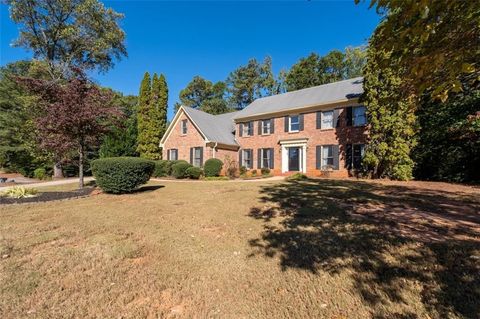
<point x="311" y="248"/>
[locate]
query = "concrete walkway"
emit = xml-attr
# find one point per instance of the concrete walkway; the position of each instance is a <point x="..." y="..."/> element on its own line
<point x="49" y="183"/>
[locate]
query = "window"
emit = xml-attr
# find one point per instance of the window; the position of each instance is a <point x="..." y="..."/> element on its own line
<point x="294" y="123"/>
<point x="266" y="127"/>
<point x="266" y="158"/>
<point x="248" y="129"/>
<point x="359" y="118"/>
<point x="184" y="127"/>
<point x="327" y="120"/>
<point x="173" y="154"/>
<point x="327" y="156"/>
<point x="197" y="156"/>
<point x="358" y="152"/>
<point x="247" y="159"/>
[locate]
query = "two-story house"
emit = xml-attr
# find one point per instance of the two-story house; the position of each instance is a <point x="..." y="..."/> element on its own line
<point x="312" y="130"/>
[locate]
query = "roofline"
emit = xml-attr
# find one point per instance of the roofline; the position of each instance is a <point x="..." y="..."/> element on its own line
<point x="173" y="123"/>
<point x="305" y="108"/>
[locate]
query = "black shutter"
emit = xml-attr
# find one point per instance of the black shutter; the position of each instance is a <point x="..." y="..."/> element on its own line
<point x="349" y="116"/>
<point x="319" y="120"/>
<point x="240" y="158"/>
<point x="318" y="157"/>
<point x="336" y="158"/>
<point x="286" y="123"/>
<point x="259" y="159"/>
<point x="201" y="156"/>
<point x="336" y="117"/>
<point x="252" y="160"/>
<point x="191" y="155"/>
<point x="168" y="154"/>
<point x="260" y="127"/>
<point x="272" y="126"/>
<point x="250" y="128"/>
<point x="348" y="156"/>
<point x="300" y="122"/>
<point x="272" y="161"/>
<point x="240" y="133"/>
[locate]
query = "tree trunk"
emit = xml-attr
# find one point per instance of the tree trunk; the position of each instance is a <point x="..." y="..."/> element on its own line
<point x="80" y="167"/>
<point x="57" y="170"/>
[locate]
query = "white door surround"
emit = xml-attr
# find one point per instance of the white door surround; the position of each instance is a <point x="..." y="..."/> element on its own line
<point x="302" y="144"/>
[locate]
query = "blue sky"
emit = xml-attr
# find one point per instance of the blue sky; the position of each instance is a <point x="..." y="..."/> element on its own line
<point x="183" y="39"/>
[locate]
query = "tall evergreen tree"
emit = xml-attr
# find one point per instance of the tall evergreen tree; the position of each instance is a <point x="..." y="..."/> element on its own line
<point x="392" y="120"/>
<point x="143" y="115"/>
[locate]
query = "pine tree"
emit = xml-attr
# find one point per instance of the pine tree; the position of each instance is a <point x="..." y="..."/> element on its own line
<point x="144" y="99"/>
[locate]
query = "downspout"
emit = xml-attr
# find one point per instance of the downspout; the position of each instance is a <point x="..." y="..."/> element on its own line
<point x="215" y="149"/>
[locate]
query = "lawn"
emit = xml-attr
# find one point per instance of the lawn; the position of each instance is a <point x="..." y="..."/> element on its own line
<point x="315" y="248"/>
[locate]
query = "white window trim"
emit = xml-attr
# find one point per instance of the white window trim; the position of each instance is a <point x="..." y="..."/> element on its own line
<point x="321" y="120"/>
<point x="244" y="158"/>
<point x="323" y="159"/>
<point x="170" y="154"/>
<point x="183" y="125"/>
<point x="246" y="130"/>
<point x="262" y="157"/>
<point x="199" y="149"/>
<point x="264" y="126"/>
<point x="290" y="123"/>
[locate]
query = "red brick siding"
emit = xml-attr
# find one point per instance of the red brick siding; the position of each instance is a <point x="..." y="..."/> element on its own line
<point x="183" y="143"/>
<point x="340" y="136"/>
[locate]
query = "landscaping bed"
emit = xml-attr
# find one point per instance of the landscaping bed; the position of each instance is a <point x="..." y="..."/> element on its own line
<point x="47" y="196"/>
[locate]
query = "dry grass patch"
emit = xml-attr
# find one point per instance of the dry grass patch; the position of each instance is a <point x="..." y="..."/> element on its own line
<point x="324" y="249"/>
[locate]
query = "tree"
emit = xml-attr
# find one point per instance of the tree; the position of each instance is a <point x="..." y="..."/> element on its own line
<point x="204" y="95"/>
<point x="73" y="116"/>
<point x="317" y="70"/>
<point x="18" y="150"/>
<point x="448" y="146"/>
<point x="69" y="33"/>
<point x="436" y="42"/>
<point x="152" y="115"/>
<point x="250" y="82"/>
<point x="391" y="116"/>
<point x="121" y="140"/>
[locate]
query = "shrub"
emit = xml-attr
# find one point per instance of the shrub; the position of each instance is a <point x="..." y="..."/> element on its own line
<point x="265" y="171"/>
<point x="179" y="169"/>
<point x="297" y="177"/>
<point x="161" y="168"/>
<point x="40" y="173"/>
<point x="253" y="172"/>
<point x="230" y="166"/>
<point x="194" y="172"/>
<point x="243" y="170"/>
<point x="120" y="175"/>
<point x="20" y="192"/>
<point x="213" y="167"/>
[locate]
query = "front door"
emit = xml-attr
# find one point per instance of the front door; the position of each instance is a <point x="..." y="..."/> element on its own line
<point x="294" y="158"/>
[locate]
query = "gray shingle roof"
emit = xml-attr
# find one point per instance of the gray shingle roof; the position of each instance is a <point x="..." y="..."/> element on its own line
<point x="317" y="95"/>
<point x="217" y="128"/>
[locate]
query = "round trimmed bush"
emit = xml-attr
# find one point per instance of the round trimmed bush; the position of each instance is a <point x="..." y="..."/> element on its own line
<point x="120" y="175"/>
<point x="194" y="172"/>
<point x="161" y="168"/>
<point x="179" y="169"/>
<point x="212" y="167"/>
<point x="40" y="173"/>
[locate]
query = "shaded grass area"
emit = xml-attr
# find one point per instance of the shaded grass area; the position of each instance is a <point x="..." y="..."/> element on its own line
<point x="323" y="249"/>
<point x="411" y="252"/>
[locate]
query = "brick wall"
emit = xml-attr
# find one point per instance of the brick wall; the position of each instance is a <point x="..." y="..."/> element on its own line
<point x="183" y="143"/>
<point x="339" y="136"/>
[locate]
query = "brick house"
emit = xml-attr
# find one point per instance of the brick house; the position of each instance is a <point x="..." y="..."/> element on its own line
<point x="317" y="131"/>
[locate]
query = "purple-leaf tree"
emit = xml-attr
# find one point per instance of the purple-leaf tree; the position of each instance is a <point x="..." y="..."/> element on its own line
<point x="73" y="116"/>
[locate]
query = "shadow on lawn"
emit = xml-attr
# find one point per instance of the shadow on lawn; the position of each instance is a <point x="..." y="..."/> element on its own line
<point x="397" y="241"/>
